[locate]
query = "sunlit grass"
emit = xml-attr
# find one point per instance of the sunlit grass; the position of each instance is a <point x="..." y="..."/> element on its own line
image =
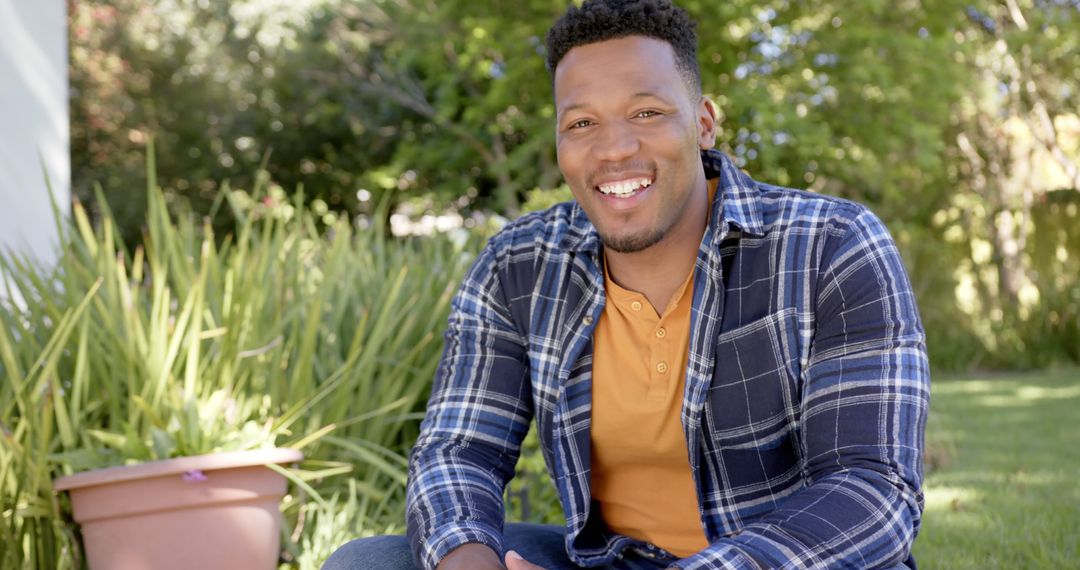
<point x="1003" y="473"/>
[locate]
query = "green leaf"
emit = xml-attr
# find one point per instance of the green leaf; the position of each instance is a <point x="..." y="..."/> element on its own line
<point x="163" y="444"/>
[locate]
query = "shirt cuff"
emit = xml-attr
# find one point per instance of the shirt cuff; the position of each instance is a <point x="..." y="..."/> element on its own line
<point x="449" y="537"/>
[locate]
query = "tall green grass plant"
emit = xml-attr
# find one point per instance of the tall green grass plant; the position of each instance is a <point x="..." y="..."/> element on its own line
<point x="284" y="332"/>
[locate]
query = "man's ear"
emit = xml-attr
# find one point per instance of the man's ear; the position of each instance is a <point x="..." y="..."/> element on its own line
<point x="707" y="122"/>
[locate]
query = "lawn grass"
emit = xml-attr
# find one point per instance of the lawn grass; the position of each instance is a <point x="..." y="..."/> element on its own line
<point x="1003" y="473"/>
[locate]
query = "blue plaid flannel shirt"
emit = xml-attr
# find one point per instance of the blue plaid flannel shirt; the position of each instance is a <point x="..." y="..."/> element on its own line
<point x="806" y="397"/>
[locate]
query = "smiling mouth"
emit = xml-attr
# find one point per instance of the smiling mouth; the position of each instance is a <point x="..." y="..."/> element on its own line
<point x="625" y="188"/>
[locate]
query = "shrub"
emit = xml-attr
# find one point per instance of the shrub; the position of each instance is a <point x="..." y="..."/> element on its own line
<point x="279" y="333"/>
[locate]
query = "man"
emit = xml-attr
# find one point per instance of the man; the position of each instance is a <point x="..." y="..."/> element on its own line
<point x="723" y="373"/>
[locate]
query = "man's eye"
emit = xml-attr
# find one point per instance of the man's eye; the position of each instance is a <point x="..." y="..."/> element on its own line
<point x="646" y="114"/>
<point x="580" y="124"/>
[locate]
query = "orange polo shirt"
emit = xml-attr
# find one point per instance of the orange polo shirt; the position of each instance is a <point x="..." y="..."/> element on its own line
<point x="641" y="475"/>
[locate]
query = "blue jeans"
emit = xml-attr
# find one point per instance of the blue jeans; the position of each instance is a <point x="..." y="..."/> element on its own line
<point x="540" y="544"/>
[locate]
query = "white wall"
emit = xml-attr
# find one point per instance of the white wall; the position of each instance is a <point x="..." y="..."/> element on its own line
<point x="33" y="124"/>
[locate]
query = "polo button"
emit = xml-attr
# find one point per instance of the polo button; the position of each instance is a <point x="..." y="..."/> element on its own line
<point x="636" y="305"/>
<point x="661" y="367"/>
<point x="661" y="333"/>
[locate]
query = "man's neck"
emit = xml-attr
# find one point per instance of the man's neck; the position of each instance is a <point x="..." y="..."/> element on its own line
<point x="659" y="270"/>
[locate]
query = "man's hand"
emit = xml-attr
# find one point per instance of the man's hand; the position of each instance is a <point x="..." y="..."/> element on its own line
<point x="514" y="561"/>
<point x="480" y="557"/>
<point x="471" y="556"/>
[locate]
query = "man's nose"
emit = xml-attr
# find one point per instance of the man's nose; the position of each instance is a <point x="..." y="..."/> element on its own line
<point x="616" y="142"/>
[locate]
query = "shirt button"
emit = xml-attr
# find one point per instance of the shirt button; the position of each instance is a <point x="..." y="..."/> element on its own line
<point x="661" y="367"/>
<point x="636" y="305"/>
<point x="661" y="333"/>
<point x="587" y="321"/>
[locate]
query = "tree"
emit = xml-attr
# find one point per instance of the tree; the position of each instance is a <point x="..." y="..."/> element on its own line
<point x="953" y="120"/>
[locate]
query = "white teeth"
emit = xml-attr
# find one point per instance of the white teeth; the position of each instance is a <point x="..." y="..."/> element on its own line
<point x="625" y="187"/>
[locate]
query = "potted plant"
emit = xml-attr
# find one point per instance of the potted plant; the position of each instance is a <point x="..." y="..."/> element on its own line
<point x="203" y="492"/>
<point x="218" y="510"/>
<point x="170" y="444"/>
<point x="293" y="329"/>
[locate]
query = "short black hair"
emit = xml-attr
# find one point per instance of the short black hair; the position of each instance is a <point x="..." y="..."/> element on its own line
<point x="601" y="20"/>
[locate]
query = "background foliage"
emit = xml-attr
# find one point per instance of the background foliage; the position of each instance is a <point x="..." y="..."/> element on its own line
<point x="954" y="120"/>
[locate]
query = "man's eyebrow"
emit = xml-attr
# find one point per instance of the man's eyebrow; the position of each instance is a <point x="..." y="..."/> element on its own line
<point x="572" y="107"/>
<point x="646" y="94"/>
<point x="638" y="95"/>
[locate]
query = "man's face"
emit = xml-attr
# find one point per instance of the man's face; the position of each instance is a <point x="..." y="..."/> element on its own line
<point x="629" y="134"/>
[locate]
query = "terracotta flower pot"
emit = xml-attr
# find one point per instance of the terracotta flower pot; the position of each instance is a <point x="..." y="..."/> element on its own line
<point x="208" y="511"/>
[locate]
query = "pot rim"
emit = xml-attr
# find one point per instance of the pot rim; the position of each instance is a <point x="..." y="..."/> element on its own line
<point x="165" y="467"/>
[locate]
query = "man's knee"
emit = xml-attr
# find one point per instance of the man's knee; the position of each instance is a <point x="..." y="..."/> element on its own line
<point x="390" y="552"/>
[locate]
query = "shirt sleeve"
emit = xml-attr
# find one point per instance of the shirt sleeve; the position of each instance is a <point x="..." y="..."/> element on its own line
<point x="865" y="400"/>
<point x="477" y="416"/>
